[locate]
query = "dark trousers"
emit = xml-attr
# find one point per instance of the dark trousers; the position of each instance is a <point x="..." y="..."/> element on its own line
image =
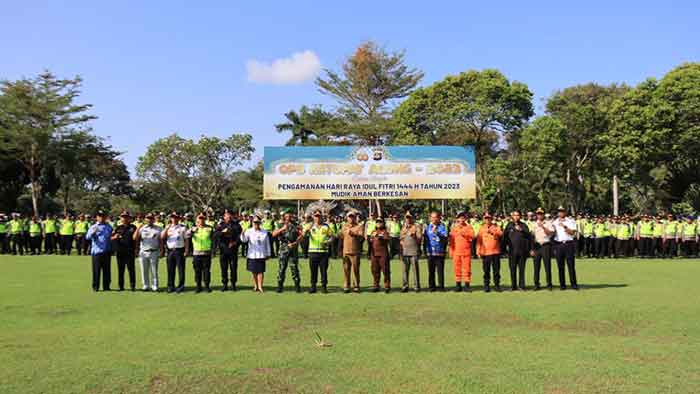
<point x="580" y="246"/>
<point x="318" y="262"/>
<point x="228" y="261"/>
<point x="35" y="244"/>
<point x="658" y="247"/>
<point x="612" y="242"/>
<point x="380" y="266"/>
<point x="176" y="262"/>
<point x="622" y="247"/>
<point x="272" y="244"/>
<point x="17" y="243"/>
<point x="244" y="249"/>
<point x="590" y="247"/>
<point x="543" y="253"/>
<point x="101" y="265"/>
<point x="492" y="263"/>
<point x="601" y="247"/>
<point x="291" y="260"/>
<point x="689" y="248"/>
<point x="66" y="244"/>
<point x="516" y="263"/>
<point x="202" y="270"/>
<point x="645" y="247"/>
<point x="395" y="247"/>
<point x="670" y="248"/>
<point x="4" y="248"/>
<point x="436" y="264"/>
<point x="566" y="259"/>
<point x="126" y="260"/>
<point x="80" y="243"/>
<point x="50" y="243"/>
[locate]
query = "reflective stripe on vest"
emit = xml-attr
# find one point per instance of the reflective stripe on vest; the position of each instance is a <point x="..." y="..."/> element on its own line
<point x="34" y="228"/>
<point x="318" y="239"/>
<point x="201" y="239"/>
<point x="646" y="229"/>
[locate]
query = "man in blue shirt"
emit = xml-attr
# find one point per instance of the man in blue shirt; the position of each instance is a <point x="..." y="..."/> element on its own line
<point x="435" y="236"/>
<point x="100" y="235"/>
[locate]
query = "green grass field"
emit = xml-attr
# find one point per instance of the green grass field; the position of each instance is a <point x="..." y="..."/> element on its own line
<point x="633" y="328"/>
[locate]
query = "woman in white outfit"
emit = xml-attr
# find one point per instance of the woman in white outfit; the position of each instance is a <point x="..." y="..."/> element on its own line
<point x="258" y="252"/>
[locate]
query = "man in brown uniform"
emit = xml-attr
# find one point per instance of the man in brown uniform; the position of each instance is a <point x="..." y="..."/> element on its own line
<point x="353" y="234"/>
<point x="379" y="242"/>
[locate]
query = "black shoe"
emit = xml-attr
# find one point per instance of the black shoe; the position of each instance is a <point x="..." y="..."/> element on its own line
<point x="324" y="290"/>
<point x="417" y="289"/>
<point x="312" y="290"/>
<point x="133" y="288"/>
<point x="550" y="287"/>
<point x="179" y="290"/>
<point x="280" y="288"/>
<point x="513" y="288"/>
<point x="487" y="289"/>
<point x="375" y="290"/>
<point x="387" y="291"/>
<point x="404" y="290"/>
<point x="441" y="289"/>
<point x="346" y="291"/>
<point x="95" y="289"/>
<point x="225" y="288"/>
<point x="522" y="289"/>
<point x="562" y="287"/>
<point x="297" y="287"/>
<point x="467" y="288"/>
<point x="208" y="289"/>
<point x="170" y="290"/>
<point x="233" y="288"/>
<point x="498" y="288"/>
<point x="537" y="288"/>
<point x="575" y="287"/>
<point x="198" y="289"/>
<point x="121" y="289"/>
<point x="432" y="290"/>
<point x="458" y="288"/>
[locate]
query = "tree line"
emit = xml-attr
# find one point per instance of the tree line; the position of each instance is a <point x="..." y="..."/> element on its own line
<point x="598" y="148"/>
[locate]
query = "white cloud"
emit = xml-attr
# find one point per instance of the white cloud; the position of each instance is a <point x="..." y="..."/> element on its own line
<point x="298" y="68"/>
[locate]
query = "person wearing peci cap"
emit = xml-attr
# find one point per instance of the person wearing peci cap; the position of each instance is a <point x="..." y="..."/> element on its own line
<point x="202" y="236"/>
<point x="100" y="235"/>
<point x="565" y="247"/>
<point x="148" y="237"/>
<point x="125" y="248"/>
<point x="174" y="237"/>
<point x="258" y="252"/>
<point x="228" y="234"/>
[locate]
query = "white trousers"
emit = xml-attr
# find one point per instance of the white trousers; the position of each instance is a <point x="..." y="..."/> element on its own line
<point x="149" y="269"/>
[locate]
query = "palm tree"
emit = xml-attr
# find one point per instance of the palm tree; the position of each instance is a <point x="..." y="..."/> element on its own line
<point x="297" y="125"/>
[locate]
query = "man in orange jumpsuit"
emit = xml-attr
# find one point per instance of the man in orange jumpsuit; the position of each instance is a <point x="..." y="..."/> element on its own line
<point x="488" y="247"/>
<point x="461" y="236"/>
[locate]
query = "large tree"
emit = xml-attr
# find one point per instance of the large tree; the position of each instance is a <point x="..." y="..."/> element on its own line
<point x="199" y="172"/>
<point x="34" y="113"/>
<point x="477" y="108"/>
<point x="370" y="81"/>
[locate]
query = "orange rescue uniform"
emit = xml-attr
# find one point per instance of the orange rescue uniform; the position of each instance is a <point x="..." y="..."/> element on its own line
<point x="460" y="249"/>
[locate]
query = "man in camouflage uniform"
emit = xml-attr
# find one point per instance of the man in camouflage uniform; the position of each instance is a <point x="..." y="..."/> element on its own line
<point x="289" y="236"/>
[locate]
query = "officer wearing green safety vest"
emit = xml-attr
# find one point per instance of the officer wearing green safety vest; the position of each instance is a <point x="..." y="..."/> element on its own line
<point x="246" y="223"/>
<point x="16" y="243"/>
<point x="600" y="234"/>
<point x="670" y="237"/>
<point x="319" y="236"/>
<point x="370" y="226"/>
<point x="623" y="235"/>
<point x="202" y="242"/>
<point x="66" y="231"/>
<point x="50" y="234"/>
<point x="35" y="234"/>
<point x="4" y="248"/>
<point x="658" y="242"/>
<point x="645" y="236"/>
<point x="268" y="224"/>
<point x="587" y="235"/>
<point x="689" y="236"/>
<point x="81" y="227"/>
<point x="393" y="226"/>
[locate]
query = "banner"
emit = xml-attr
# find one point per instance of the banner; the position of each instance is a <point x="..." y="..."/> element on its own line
<point x="369" y="172"/>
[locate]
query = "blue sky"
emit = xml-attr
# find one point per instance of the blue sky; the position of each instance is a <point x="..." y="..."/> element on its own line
<point x="157" y="67"/>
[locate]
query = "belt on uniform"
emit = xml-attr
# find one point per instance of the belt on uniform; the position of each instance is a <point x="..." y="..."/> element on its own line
<point x="563" y="242"/>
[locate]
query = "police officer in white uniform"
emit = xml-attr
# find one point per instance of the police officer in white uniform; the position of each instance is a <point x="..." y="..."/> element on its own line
<point x="565" y="247"/>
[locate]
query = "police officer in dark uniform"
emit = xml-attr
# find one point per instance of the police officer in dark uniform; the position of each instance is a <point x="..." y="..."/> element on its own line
<point x="227" y="236"/>
<point x="125" y="247"/>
